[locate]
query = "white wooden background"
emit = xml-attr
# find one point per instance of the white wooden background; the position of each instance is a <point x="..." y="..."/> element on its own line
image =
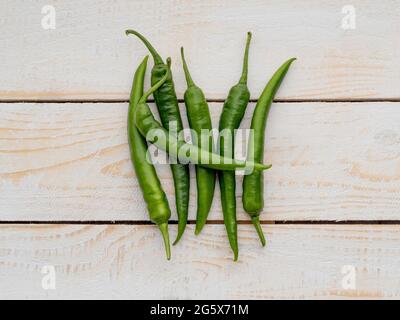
<point x="68" y="193"/>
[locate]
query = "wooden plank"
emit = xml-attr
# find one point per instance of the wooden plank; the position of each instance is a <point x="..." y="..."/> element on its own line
<point x="331" y="161"/>
<point x="88" y="56"/>
<point x="127" y="262"/>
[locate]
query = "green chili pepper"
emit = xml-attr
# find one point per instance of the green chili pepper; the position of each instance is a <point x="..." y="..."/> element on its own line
<point x="156" y="134"/>
<point x="232" y="114"/>
<point x="154" y="195"/>
<point x="200" y="121"/>
<point x="168" y="109"/>
<point x="253" y="184"/>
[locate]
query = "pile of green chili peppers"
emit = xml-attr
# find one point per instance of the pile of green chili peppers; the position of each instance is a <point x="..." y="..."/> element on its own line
<point x="210" y="165"/>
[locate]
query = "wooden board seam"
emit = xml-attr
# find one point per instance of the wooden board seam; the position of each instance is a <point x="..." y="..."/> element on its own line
<point x="360" y="100"/>
<point x="211" y="222"/>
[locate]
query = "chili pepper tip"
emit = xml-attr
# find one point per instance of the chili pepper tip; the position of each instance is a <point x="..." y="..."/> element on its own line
<point x="235" y="255"/>
<point x="164" y="231"/>
<point x="256" y="222"/>
<point x="260" y="167"/>
<point x="198" y="229"/>
<point x="181" y="229"/>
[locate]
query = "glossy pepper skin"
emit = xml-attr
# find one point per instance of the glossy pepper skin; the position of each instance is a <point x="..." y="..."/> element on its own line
<point x="156" y="134"/>
<point x="199" y="119"/>
<point x="232" y="114"/>
<point x="253" y="184"/>
<point x="154" y="195"/>
<point x="168" y="109"/>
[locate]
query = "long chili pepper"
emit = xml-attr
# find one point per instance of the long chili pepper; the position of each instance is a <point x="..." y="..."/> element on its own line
<point x="232" y="114"/>
<point x="168" y="109"/>
<point x="156" y="134"/>
<point x="200" y="121"/>
<point x="154" y="195"/>
<point x="253" y="184"/>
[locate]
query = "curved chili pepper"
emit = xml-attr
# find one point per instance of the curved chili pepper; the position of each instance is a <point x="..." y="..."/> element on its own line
<point x="156" y="134"/>
<point x="199" y="119"/>
<point x="168" y="109"/>
<point x="253" y="184"/>
<point x="232" y="114"/>
<point x="154" y="195"/>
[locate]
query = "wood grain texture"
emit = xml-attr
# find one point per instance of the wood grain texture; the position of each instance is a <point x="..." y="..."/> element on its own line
<point x="331" y="161"/>
<point x="127" y="262"/>
<point x="88" y="55"/>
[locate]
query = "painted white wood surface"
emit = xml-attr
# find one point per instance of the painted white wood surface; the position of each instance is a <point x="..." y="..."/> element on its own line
<point x="337" y="161"/>
<point x="88" y="55"/>
<point x="70" y="161"/>
<point x="128" y="262"/>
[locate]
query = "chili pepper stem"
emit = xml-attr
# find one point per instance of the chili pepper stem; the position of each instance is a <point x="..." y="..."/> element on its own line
<point x="143" y="99"/>
<point x="260" y="167"/>
<point x="243" y="78"/>
<point x="256" y="222"/>
<point x="157" y="58"/>
<point x="164" y="231"/>
<point x="188" y="77"/>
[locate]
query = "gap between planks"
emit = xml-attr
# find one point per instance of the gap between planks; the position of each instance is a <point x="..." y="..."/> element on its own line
<point x="360" y="100"/>
<point x="216" y="222"/>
